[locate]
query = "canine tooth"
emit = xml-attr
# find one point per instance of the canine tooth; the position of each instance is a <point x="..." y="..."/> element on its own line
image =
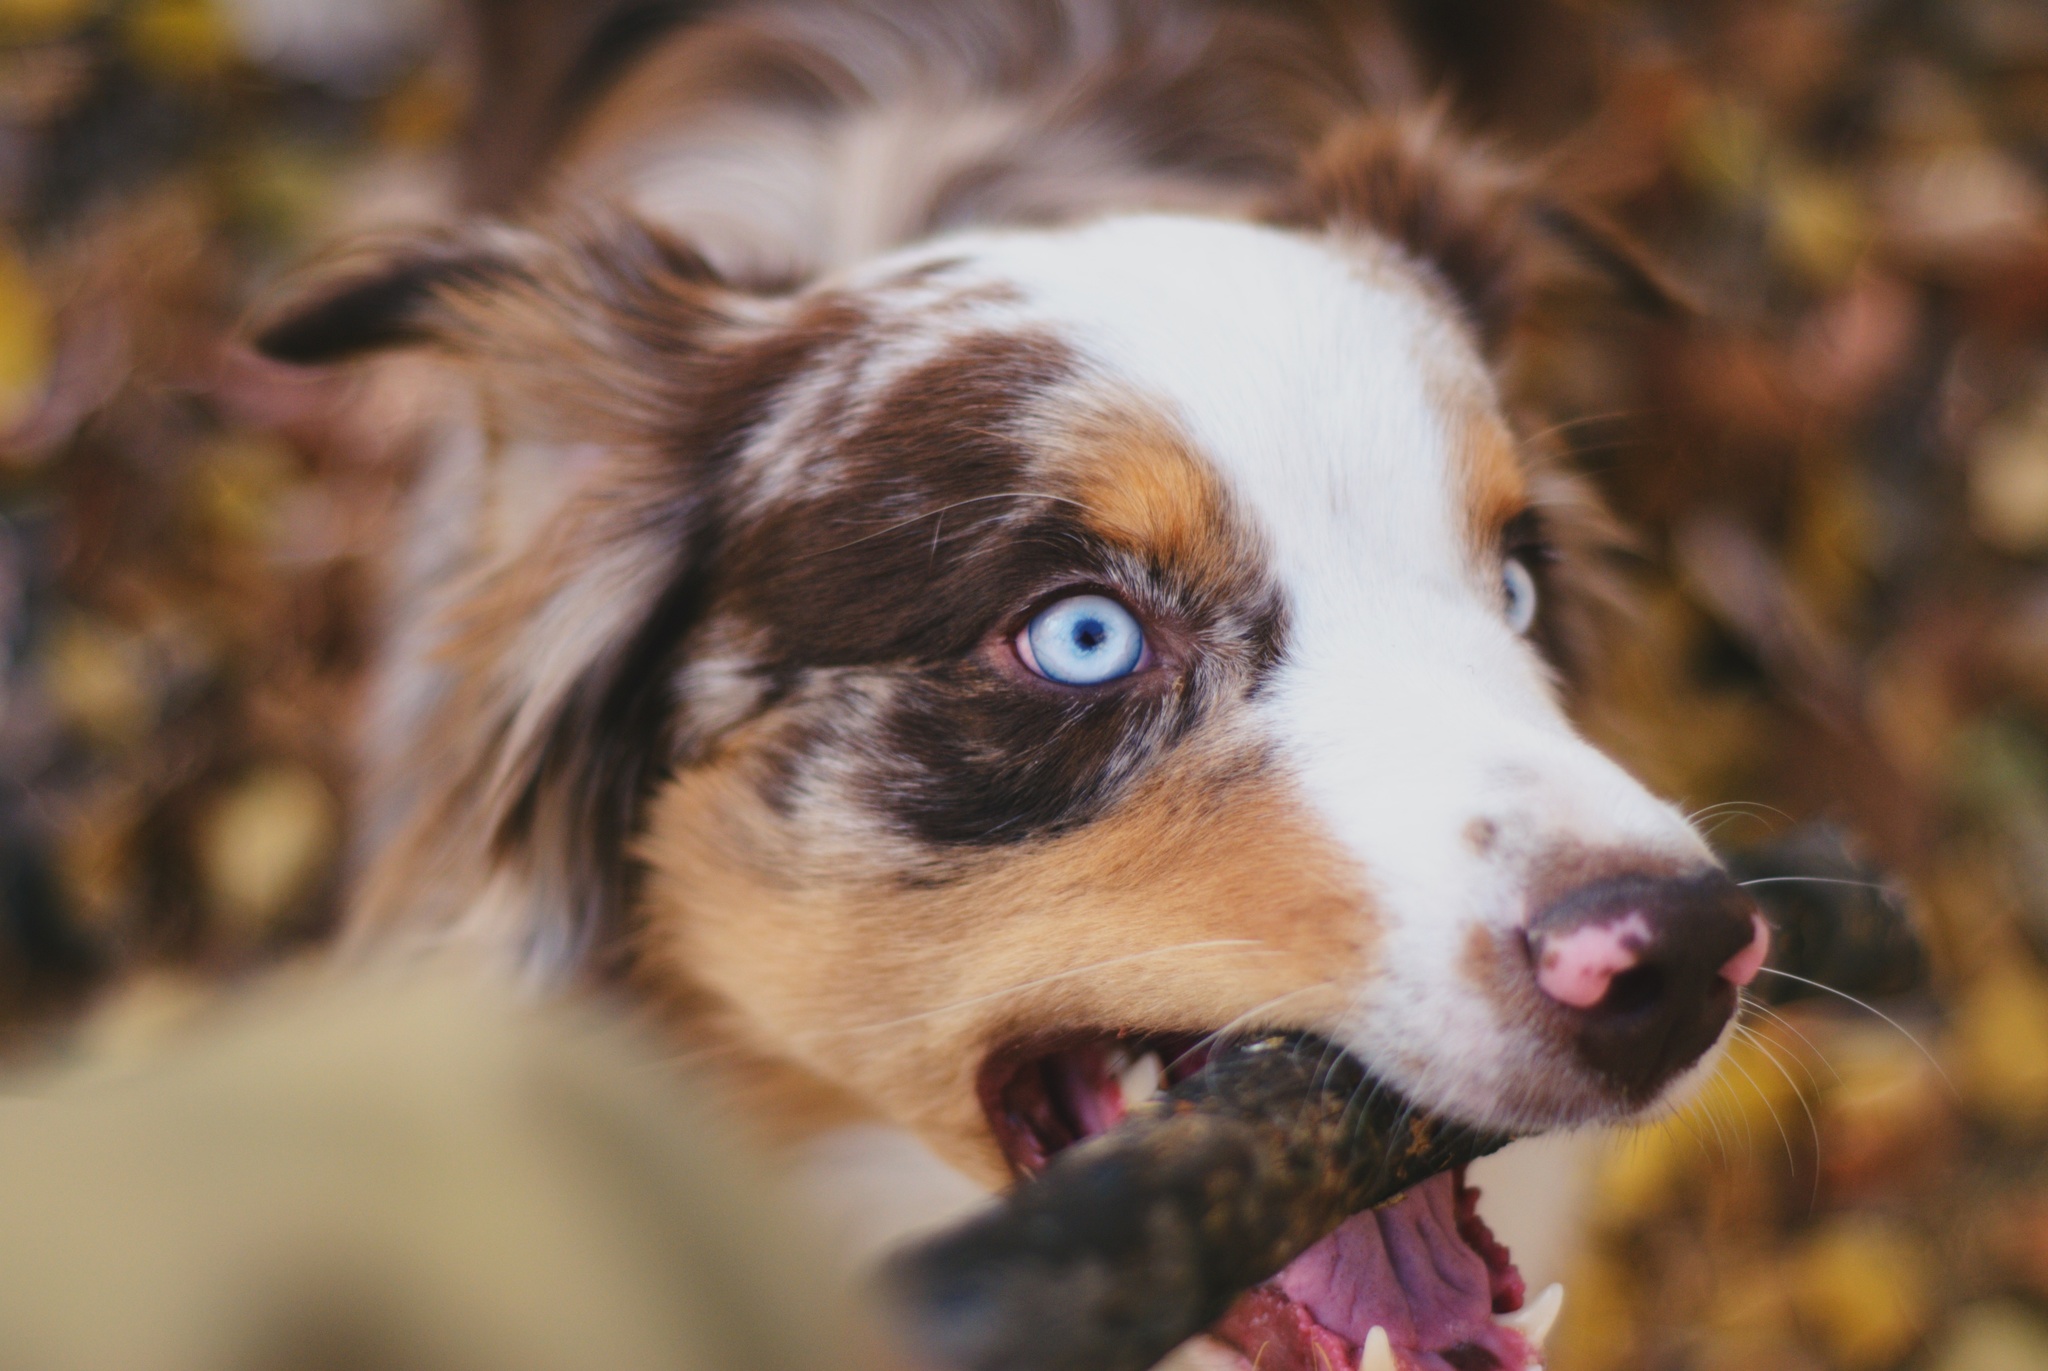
<point x="1141" y="1080"/>
<point x="1378" y="1352"/>
<point x="1535" y="1319"/>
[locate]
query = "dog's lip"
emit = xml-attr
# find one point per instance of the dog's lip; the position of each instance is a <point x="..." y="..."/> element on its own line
<point x="1043" y="1094"/>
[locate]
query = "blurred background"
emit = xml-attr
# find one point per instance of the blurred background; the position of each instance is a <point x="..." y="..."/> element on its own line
<point x="1840" y="476"/>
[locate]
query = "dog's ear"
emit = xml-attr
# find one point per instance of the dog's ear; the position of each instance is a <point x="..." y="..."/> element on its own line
<point x="596" y="299"/>
<point x="594" y="374"/>
<point x="1488" y="228"/>
<point x="377" y="296"/>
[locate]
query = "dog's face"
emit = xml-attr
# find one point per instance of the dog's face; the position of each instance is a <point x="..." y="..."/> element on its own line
<point x="1042" y="650"/>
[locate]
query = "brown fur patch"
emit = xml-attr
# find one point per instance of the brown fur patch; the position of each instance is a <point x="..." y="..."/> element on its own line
<point x="1487" y="227"/>
<point x="1446" y="203"/>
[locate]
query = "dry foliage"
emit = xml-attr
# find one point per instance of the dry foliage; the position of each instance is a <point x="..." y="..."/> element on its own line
<point x="1840" y="474"/>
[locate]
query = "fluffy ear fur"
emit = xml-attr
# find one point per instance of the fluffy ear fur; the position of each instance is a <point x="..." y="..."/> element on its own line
<point x="559" y="530"/>
<point x="595" y="300"/>
<point x="1486" y="227"/>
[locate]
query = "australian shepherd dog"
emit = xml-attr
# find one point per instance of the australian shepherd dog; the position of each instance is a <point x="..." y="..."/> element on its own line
<point x="963" y="547"/>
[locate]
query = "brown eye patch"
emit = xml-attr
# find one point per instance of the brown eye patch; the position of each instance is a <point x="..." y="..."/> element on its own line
<point x="918" y="536"/>
<point x="910" y="521"/>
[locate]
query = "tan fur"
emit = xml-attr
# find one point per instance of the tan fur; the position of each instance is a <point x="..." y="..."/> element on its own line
<point x="1203" y="898"/>
<point x="1143" y="489"/>
<point x="1495" y="478"/>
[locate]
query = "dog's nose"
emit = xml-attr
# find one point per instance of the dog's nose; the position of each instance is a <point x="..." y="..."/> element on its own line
<point x="1650" y="967"/>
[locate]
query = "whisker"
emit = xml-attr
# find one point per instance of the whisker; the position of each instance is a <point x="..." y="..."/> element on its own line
<point x="1211" y="1038"/>
<point x="1744" y="1035"/>
<point x="1744" y="806"/>
<point x="1680" y="1116"/>
<point x="1814" y="880"/>
<point x="1705" y="1112"/>
<point x="1741" y="1116"/>
<point x="1564" y="426"/>
<point x="1873" y="1009"/>
<point x="1775" y="1017"/>
<point x="1372" y="1085"/>
<point x="1054" y="978"/>
<point x="946" y="509"/>
<point x="1683" y="1119"/>
<point x="1723" y="822"/>
<point x="1812" y="1123"/>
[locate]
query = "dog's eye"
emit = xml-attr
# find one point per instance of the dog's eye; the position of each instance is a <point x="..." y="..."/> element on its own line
<point x="1082" y="640"/>
<point x="1518" y="586"/>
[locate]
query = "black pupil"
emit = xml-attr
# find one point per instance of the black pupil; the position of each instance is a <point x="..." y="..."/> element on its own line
<point x="1089" y="634"/>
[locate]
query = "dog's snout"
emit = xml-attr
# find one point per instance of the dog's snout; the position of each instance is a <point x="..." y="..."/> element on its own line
<point x="1649" y="968"/>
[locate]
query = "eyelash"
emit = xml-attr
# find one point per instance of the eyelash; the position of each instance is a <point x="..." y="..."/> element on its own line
<point x="1523" y="537"/>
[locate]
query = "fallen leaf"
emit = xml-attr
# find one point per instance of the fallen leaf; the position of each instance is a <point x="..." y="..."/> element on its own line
<point x="264" y="842"/>
<point x="1997" y="1047"/>
<point x="1859" y="1286"/>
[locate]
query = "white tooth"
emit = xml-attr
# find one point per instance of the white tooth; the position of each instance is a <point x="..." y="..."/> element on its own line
<point x="1378" y="1352"/>
<point x="1141" y="1080"/>
<point x="1535" y="1319"/>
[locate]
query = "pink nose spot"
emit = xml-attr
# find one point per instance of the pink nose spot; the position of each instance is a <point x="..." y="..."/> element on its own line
<point x="1576" y="968"/>
<point x="1743" y="966"/>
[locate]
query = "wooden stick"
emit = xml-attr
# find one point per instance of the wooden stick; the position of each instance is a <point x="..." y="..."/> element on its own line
<point x="1136" y="1240"/>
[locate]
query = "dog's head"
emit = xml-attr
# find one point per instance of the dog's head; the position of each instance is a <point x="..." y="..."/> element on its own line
<point x="1039" y="648"/>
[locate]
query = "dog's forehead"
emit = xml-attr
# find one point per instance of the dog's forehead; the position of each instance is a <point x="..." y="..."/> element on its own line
<point x="1332" y="385"/>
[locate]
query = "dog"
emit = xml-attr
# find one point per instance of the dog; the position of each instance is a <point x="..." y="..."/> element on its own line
<point x="965" y="549"/>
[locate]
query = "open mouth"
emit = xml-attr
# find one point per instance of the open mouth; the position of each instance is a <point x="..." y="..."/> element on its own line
<point x="1417" y="1284"/>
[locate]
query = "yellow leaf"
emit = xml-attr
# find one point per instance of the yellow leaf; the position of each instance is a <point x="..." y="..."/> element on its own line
<point x="24" y="338"/>
<point x="98" y="680"/>
<point x="36" y="20"/>
<point x="1820" y="226"/>
<point x="179" y="39"/>
<point x="264" y="842"/>
<point x="1722" y="147"/>
<point x="1859" y="1287"/>
<point x="1998" y="1046"/>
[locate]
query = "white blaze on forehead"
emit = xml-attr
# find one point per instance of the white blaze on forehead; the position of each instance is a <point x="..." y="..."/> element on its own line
<point x="1326" y="387"/>
<point x="1331" y="390"/>
<point x="1315" y="381"/>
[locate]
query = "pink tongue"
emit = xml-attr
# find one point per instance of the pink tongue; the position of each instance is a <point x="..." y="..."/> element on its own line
<point x="1405" y="1268"/>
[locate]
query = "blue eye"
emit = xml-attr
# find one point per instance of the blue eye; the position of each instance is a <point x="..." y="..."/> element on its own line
<point x="1083" y="640"/>
<point x="1518" y="586"/>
